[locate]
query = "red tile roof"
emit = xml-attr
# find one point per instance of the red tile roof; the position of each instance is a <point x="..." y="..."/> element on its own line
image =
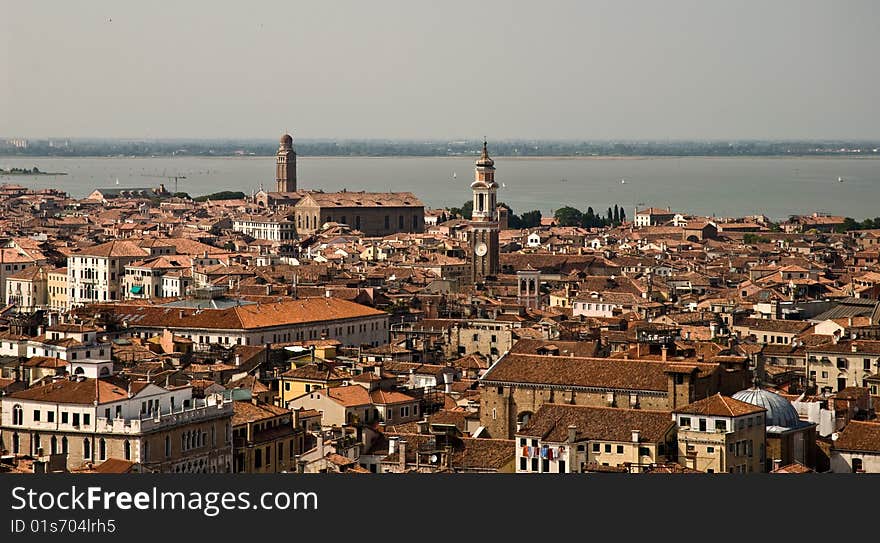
<point x="720" y="406"/>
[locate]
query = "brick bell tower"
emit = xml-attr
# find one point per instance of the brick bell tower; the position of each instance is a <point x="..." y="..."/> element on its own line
<point x="285" y="166"/>
<point x="483" y="235"/>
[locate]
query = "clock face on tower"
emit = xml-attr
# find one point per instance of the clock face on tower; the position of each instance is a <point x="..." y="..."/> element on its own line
<point x="480" y="249"/>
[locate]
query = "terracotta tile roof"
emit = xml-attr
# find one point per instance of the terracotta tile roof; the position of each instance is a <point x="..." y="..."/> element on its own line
<point x="182" y="246"/>
<point x="859" y="436"/>
<point x="78" y="392"/>
<point x="349" y="396"/>
<point x="720" y="406"/>
<point x="44" y="362"/>
<point x="669" y="468"/>
<point x="246" y="317"/>
<point x="382" y="397"/>
<point x="31" y="273"/>
<point x="796" y="467"/>
<point x="114" y="465"/>
<point x="248" y="382"/>
<point x="339" y="460"/>
<point x="246" y="411"/>
<point x="584" y="349"/>
<point x="775" y="325"/>
<point x="362" y="199"/>
<point x="585" y="372"/>
<point x="551" y="423"/>
<point x="862" y="346"/>
<point x="115" y="248"/>
<point x="467" y="453"/>
<point x="316" y="372"/>
<point x="470" y="362"/>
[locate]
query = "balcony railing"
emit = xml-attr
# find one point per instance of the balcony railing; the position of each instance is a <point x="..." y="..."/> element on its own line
<point x="203" y="409"/>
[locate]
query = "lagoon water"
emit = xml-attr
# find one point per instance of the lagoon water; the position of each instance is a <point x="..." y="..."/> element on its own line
<point x="776" y="187"/>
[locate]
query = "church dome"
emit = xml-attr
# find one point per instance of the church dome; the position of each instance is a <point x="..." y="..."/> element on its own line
<point x="484" y="159"/>
<point x="287" y="140"/>
<point x="780" y="412"/>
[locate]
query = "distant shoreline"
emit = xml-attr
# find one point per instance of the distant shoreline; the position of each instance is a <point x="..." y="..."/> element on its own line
<point x="419" y="157"/>
<point x="5" y="173"/>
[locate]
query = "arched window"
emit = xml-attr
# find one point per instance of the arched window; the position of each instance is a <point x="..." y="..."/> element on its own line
<point x="167" y="446"/>
<point x="53" y="445"/>
<point x="102" y="449"/>
<point x="87" y="448"/>
<point x="16" y="443"/>
<point x="105" y="371"/>
<point x="126" y="450"/>
<point x="17" y="415"/>
<point x="79" y="371"/>
<point x="35" y="444"/>
<point x="64" y="445"/>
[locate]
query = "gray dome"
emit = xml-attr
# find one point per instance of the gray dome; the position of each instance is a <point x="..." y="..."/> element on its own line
<point x="780" y="412"/>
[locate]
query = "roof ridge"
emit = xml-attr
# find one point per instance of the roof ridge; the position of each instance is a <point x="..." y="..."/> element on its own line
<point x="724" y="401"/>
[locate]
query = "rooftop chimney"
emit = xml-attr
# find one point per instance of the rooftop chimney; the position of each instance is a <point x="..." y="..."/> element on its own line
<point x="423" y="426"/>
<point x="572" y="433"/>
<point x="392" y="445"/>
<point x="402" y="455"/>
<point x="636" y="435"/>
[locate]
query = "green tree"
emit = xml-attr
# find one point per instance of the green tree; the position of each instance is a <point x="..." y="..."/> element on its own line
<point x="222" y="195"/>
<point x="465" y="211"/>
<point x="849" y="224"/>
<point x="622" y="214"/>
<point x="610" y="216"/>
<point x="616" y="215"/>
<point x="530" y="219"/>
<point x="589" y="219"/>
<point x="752" y="239"/>
<point x="568" y="216"/>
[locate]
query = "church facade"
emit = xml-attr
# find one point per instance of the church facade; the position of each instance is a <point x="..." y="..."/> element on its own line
<point x="372" y="213"/>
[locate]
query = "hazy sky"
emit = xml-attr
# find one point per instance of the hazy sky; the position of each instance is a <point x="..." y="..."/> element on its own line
<point x="443" y="69"/>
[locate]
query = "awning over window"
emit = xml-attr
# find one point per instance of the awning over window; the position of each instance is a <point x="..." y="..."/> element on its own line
<point x="137" y="289"/>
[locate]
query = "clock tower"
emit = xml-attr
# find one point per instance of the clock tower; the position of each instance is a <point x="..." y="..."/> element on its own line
<point x="483" y="235"/>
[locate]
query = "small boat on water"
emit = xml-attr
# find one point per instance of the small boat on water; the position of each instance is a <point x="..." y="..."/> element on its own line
<point x="839" y="179"/>
<point x="623" y="181"/>
<point x="454" y="175"/>
<point x="563" y="180"/>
